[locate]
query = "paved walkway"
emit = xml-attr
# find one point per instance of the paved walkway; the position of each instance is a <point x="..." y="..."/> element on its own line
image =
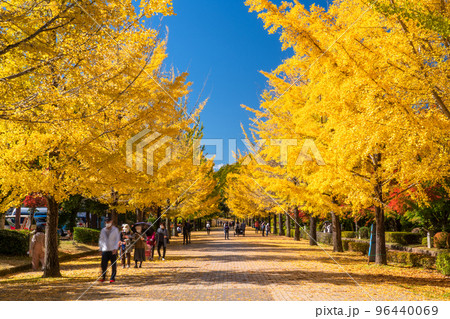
<point x="244" y="268"/>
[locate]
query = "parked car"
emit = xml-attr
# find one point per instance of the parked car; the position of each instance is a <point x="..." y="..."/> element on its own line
<point x="40" y="216"/>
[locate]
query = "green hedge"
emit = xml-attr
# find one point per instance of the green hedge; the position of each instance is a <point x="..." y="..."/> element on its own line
<point x="403" y="238"/>
<point x="442" y="240"/>
<point x="411" y="259"/>
<point x="14" y="242"/>
<point x="364" y="233"/>
<point x="348" y="234"/>
<point x="345" y="244"/>
<point x="85" y="235"/>
<point x="358" y="247"/>
<point x="443" y="263"/>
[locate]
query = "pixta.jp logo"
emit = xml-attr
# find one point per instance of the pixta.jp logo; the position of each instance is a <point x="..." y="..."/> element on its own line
<point x="151" y="142"/>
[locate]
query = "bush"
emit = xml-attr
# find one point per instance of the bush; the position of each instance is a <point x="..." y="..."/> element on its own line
<point x="443" y="263"/>
<point x="441" y="240"/>
<point x="425" y="243"/>
<point x="359" y="247"/>
<point x="345" y="244"/>
<point x="411" y="259"/>
<point x="364" y="233"/>
<point x="14" y="242"/>
<point x="86" y="235"/>
<point x="348" y="234"/>
<point x="324" y="238"/>
<point x="403" y="238"/>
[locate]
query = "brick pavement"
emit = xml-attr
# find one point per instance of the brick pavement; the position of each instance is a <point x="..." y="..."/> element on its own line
<point x="244" y="268"/>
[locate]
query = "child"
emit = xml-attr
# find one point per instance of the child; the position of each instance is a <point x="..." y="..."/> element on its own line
<point x="151" y="243"/>
<point x="125" y="242"/>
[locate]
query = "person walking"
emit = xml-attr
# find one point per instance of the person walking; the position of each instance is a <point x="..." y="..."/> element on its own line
<point x="151" y="243"/>
<point x="187" y="233"/>
<point x="263" y="228"/>
<point x="256" y="227"/>
<point x="226" y="229"/>
<point x="139" y="240"/>
<point x="267" y="229"/>
<point x="162" y="238"/>
<point x="108" y="241"/>
<point x="37" y="248"/>
<point x="125" y="245"/>
<point x="243" y="225"/>
<point x="208" y="228"/>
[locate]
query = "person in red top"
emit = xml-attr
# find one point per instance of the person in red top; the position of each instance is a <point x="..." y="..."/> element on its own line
<point x="151" y="243"/>
<point x="256" y="227"/>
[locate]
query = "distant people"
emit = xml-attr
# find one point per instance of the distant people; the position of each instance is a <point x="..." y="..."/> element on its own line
<point x="151" y="243"/>
<point x="226" y="229"/>
<point x="256" y="227"/>
<point x="125" y="245"/>
<point x="162" y="238"/>
<point x="186" y="233"/>
<point x="208" y="228"/>
<point x="37" y="248"/>
<point x="139" y="240"/>
<point x="243" y="225"/>
<point x="263" y="228"/>
<point x="109" y="238"/>
<point x="267" y="229"/>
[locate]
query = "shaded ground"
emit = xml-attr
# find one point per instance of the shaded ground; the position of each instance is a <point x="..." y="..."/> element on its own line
<point x="66" y="248"/>
<point x="244" y="268"/>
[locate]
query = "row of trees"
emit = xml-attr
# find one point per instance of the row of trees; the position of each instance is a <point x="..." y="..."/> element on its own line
<point x="78" y="80"/>
<point x="357" y="116"/>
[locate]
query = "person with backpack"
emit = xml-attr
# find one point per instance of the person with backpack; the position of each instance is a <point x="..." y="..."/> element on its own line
<point x="226" y="229"/>
<point x="267" y="229"/>
<point x="162" y="238"/>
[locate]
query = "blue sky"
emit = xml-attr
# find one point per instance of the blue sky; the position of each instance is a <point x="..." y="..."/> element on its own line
<point x="220" y="42"/>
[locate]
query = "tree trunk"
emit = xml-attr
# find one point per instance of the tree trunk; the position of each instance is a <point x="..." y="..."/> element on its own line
<point x="2" y="220"/>
<point x="51" y="268"/>
<point x="139" y="215"/>
<point x="115" y="217"/>
<point x="280" y="225"/>
<point x="297" y="224"/>
<point x="275" y="223"/>
<point x="94" y="221"/>
<point x="288" y="225"/>
<point x="312" y="231"/>
<point x="337" y="240"/>
<point x="380" y="257"/>
<point x="167" y="223"/>
<point x="175" y="226"/>
<point x="17" y="218"/>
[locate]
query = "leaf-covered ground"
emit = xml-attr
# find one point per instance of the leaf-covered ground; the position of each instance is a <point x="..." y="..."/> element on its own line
<point x="65" y="248"/>
<point x="244" y="268"/>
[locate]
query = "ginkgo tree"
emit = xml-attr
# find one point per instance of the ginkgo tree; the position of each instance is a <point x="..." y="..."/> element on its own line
<point x="370" y="90"/>
<point x="78" y="79"/>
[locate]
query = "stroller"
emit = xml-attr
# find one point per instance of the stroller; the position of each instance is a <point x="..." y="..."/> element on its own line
<point x="238" y="231"/>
